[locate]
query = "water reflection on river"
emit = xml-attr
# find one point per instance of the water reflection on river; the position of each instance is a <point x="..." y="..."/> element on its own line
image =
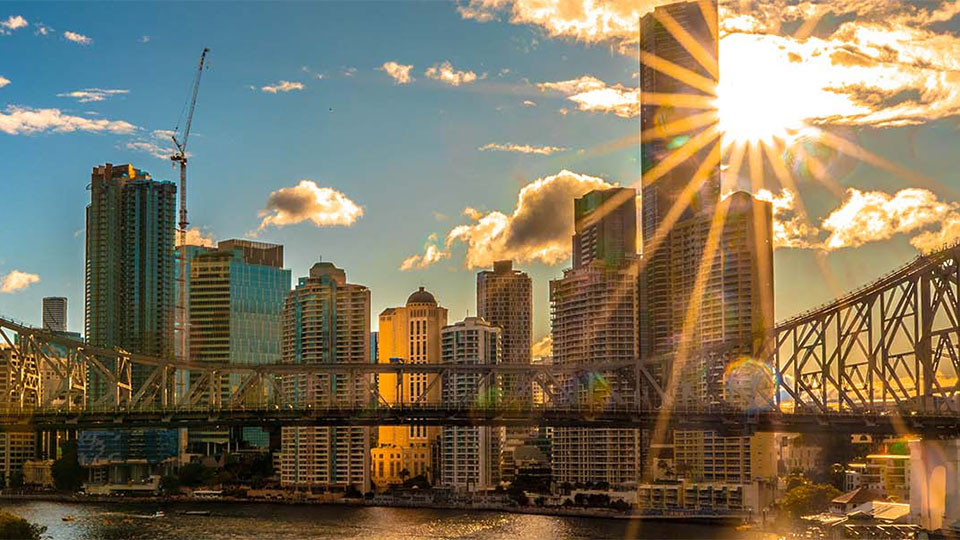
<point x="240" y="521"/>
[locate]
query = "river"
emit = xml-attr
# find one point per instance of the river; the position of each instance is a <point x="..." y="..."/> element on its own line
<point x="263" y="521"/>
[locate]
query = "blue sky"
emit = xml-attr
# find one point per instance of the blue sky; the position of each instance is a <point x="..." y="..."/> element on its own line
<point x="407" y="154"/>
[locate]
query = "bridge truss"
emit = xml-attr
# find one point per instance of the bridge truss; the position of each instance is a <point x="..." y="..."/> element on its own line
<point x="884" y="357"/>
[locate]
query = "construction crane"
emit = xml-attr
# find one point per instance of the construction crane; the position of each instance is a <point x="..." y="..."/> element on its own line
<point x="180" y="156"/>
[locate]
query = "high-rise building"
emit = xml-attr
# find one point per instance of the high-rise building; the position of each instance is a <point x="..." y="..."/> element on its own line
<point x="470" y="456"/>
<point x="55" y="313"/>
<point x="505" y="300"/>
<point x="706" y="289"/>
<point x="326" y="321"/>
<point x="235" y="305"/>
<point x="594" y="321"/>
<point x="129" y="265"/>
<point x="409" y="335"/>
<point x="129" y="285"/>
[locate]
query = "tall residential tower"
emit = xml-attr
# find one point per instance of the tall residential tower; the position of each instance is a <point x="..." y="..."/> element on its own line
<point x="326" y="321"/>
<point x="594" y="321"/>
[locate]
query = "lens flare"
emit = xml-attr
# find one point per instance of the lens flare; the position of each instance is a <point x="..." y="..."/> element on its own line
<point x="750" y="383"/>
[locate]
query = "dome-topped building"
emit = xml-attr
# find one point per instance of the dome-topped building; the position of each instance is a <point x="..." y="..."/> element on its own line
<point x="421" y="296"/>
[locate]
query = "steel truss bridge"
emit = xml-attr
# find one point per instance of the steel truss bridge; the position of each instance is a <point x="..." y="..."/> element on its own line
<point x="883" y="359"/>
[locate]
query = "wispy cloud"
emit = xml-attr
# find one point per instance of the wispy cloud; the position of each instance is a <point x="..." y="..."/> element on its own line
<point x="93" y="94"/>
<point x="522" y="149"/>
<point x="282" y="86"/>
<point x="431" y="255"/>
<point x="16" y="120"/>
<point x="17" y="281"/>
<point x="144" y="39"/>
<point x="529" y="103"/>
<point x="445" y="72"/>
<point x="538" y="229"/>
<point x="77" y="38"/>
<point x="593" y="95"/>
<point x="324" y="206"/>
<point x="11" y="23"/>
<point x="42" y="29"/>
<point x="400" y="73"/>
<point x="4" y="81"/>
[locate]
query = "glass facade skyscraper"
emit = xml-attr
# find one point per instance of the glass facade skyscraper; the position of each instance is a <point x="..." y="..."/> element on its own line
<point x="129" y="265"/>
<point x="236" y="293"/>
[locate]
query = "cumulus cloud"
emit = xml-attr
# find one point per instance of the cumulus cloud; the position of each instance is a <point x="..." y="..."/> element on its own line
<point x="4" y="81"/>
<point x="17" y="281"/>
<point x="93" y="94"/>
<point x="400" y="73"/>
<point x="522" y="149"/>
<point x="444" y="72"/>
<point x="431" y="254"/>
<point x="196" y="237"/>
<point x="12" y="23"/>
<point x="325" y="207"/>
<point x="77" y="38"/>
<point x="948" y="234"/>
<point x="588" y="21"/>
<point x="282" y="86"/>
<point x="869" y="216"/>
<point x="875" y="62"/>
<point x="15" y="120"/>
<point x="538" y="229"/>
<point x="790" y="228"/>
<point x="593" y="95"/>
<point x="543" y="348"/>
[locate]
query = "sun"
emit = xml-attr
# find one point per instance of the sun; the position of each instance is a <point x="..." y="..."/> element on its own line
<point x="757" y="98"/>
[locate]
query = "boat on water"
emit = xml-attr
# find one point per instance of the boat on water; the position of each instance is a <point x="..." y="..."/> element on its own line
<point x="68" y="518"/>
<point x="159" y="514"/>
<point x="197" y="513"/>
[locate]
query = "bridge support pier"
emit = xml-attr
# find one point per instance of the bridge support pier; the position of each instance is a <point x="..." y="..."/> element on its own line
<point x="935" y="483"/>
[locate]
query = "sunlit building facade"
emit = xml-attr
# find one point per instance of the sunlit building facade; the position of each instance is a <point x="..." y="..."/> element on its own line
<point x="409" y="335"/>
<point x="505" y="300"/>
<point x="594" y="321"/>
<point x="326" y="320"/>
<point x="470" y="455"/>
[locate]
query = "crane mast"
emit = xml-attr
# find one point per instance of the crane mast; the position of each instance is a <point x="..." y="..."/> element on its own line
<point x="180" y="156"/>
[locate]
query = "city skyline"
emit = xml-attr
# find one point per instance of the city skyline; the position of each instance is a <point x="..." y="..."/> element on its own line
<point x="439" y="139"/>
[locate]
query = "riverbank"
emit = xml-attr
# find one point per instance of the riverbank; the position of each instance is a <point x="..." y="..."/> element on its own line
<point x="559" y="511"/>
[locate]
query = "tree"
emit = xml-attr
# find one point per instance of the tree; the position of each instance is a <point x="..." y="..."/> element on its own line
<point x="16" y="480"/>
<point x="170" y="485"/>
<point x="352" y="492"/>
<point x="404" y="474"/>
<point x="195" y="474"/>
<point x="15" y="527"/>
<point x="66" y="471"/>
<point x="809" y="499"/>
